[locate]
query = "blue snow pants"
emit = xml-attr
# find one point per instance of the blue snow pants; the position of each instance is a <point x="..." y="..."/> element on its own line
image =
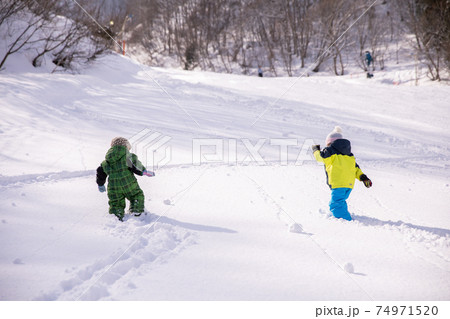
<point x="338" y="204"/>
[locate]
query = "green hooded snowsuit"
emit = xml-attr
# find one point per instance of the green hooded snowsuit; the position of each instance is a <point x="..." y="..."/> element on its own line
<point x="120" y="166"/>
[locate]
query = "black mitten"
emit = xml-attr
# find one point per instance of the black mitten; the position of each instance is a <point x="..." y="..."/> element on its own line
<point x="367" y="182"/>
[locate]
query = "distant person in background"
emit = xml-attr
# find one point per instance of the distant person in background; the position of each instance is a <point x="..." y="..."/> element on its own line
<point x="368" y="58"/>
<point x="369" y="61"/>
<point x="341" y="171"/>
<point x="260" y="72"/>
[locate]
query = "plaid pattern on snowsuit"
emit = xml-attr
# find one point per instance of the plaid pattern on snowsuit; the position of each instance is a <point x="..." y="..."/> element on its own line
<point x="120" y="166"/>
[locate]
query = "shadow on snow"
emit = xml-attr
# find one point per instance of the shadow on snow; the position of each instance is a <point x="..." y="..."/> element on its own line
<point x="370" y="221"/>
<point x="195" y="227"/>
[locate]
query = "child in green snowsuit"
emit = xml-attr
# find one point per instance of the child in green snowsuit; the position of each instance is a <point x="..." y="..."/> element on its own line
<point x="121" y="165"/>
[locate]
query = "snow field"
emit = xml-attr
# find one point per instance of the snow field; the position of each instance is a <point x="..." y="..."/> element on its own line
<point x="223" y="230"/>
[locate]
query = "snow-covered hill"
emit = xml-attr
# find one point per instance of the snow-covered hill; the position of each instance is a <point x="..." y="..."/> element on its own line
<point x="225" y="229"/>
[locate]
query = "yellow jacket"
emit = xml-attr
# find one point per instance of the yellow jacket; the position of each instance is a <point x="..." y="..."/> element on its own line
<point x="340" y="165"/>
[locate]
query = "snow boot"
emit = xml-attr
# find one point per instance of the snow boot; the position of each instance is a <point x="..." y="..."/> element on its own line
<point x="119" y="213"/>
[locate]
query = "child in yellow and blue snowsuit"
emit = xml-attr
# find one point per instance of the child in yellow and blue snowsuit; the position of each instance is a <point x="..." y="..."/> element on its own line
<point x="341" y="170"/>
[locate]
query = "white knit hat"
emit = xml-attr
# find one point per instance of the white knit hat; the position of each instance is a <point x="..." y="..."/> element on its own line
<point x="120" y="141"/>
<point x="334" y="135"/>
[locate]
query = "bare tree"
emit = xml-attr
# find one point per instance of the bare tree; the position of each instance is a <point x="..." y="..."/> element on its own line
<point x="428" y="21"/>
<point x="245" y="34"/>
<point x="53" y="28"/>
<point x="9" y="8"/>
<point x="304" y="29"/>
<point x="22" y="26"/>
<point x="331" y="37"/>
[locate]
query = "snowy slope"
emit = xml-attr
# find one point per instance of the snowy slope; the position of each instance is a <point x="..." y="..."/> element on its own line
<point x="222" y="230"/>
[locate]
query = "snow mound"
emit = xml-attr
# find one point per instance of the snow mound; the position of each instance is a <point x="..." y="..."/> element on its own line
<point x="348" y="267"/>
<point x="295" y="228"/>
